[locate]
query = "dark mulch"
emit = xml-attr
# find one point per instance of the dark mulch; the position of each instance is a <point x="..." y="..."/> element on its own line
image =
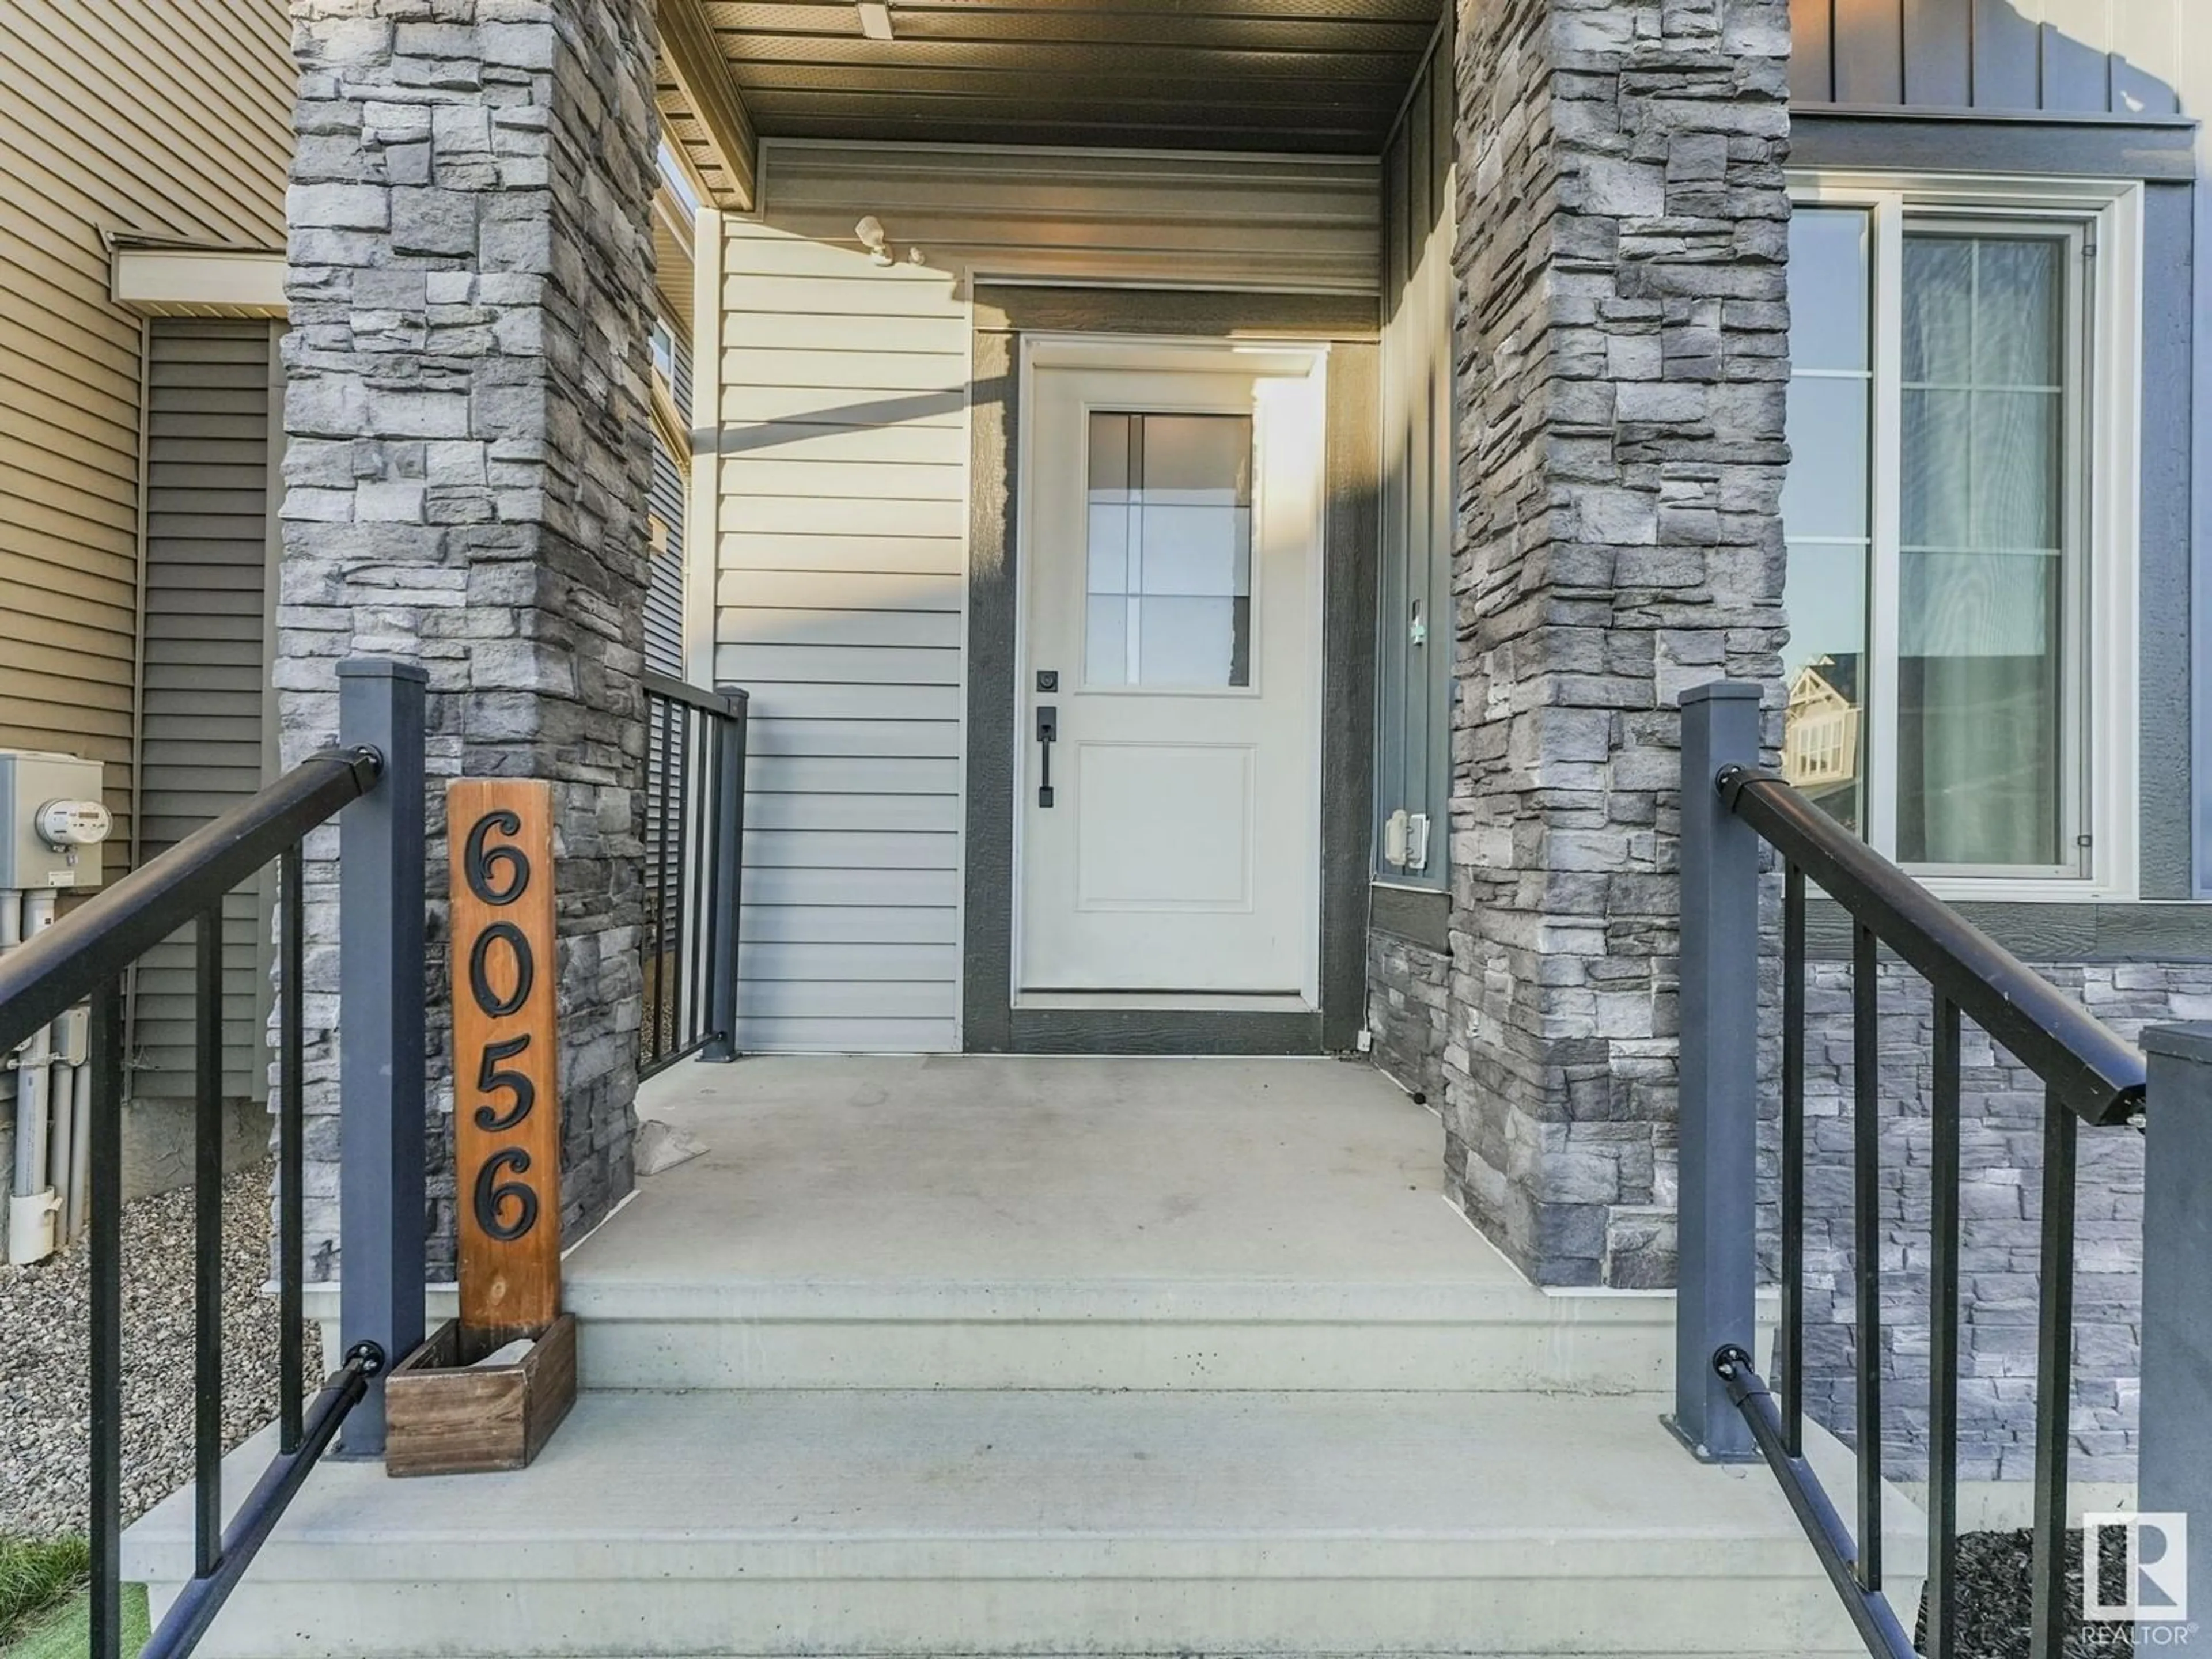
<point x="1997" y="1581"/>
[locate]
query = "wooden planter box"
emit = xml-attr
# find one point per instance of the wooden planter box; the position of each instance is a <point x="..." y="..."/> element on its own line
<point x="443" y="1416"/>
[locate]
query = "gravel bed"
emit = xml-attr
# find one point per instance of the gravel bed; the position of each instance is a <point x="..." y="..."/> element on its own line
<point x="1996" y="1585"/>
<point x="44" y="1382"/>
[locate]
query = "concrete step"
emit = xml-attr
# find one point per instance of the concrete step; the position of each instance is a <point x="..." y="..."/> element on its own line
<point x="1017" y="1224"/>
<point x="792" y="1522"/>
<point x="1490" y="1333"/>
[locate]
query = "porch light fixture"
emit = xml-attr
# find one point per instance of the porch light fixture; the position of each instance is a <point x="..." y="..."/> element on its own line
<point x="875" y="19"/>
<point x="870" y="230"/>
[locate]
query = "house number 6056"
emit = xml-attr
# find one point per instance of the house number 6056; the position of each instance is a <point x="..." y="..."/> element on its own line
<point x="505" y="1210"/>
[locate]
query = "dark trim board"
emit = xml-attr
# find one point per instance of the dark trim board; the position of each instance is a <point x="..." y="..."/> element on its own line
<point x="1420" y="916"/>
<point x="989" y="1023"/>
<point x="2170" y="781"/>
<point x="987" y="940"/>
<point x="1352" y="555"/>
<point x="1162" y="1031"/>
<point x="2056" y="146"/>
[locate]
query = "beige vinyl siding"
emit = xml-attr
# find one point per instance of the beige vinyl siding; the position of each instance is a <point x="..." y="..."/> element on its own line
<point x="842" y="517"/>
<point x="202" y="747"/>
<point x="166" y="117"/>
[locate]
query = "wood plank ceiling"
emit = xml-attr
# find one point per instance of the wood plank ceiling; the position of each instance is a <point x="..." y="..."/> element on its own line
<point x="1323" y="76"/>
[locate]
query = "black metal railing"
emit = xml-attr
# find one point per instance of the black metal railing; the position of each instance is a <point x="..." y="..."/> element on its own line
<point x="693" y="866"/>
<point x="372" y="784"/>
<point x="2091" y="1076"/>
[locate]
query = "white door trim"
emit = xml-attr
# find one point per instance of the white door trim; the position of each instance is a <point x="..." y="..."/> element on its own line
<point x="1172" y="353"/>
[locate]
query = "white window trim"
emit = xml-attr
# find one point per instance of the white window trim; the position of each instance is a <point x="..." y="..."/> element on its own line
<point x="2110" y="211"/>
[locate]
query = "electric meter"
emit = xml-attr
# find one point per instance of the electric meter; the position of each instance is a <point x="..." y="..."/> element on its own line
<point x="52" y="822"/>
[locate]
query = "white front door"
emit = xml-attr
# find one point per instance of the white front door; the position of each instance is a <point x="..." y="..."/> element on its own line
<point x="1168" y="813"/>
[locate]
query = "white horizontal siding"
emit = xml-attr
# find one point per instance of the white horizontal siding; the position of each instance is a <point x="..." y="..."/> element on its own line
<point x="841" y="513"/>
<point x="841" y="507"/>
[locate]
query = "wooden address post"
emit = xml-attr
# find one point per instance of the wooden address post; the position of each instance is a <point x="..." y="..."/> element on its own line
<point x="507" y="1152"/>
<point x="506" y="1104"/>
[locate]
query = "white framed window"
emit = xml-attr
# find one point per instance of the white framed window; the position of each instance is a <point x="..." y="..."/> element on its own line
<point x="1961" y="515"/>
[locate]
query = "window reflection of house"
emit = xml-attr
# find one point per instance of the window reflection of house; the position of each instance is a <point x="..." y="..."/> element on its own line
<point x="1821" y="733"/>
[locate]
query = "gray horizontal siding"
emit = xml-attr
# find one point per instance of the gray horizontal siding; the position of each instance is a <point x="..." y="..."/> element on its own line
<point x="201" y="746"/>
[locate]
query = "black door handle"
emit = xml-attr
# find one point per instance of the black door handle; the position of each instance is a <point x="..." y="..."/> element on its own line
<point x="1048" y="734"/>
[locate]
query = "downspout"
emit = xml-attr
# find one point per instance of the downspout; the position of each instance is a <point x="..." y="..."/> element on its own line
<point x="32" y="1202"/>
<point x="139" y="672"/>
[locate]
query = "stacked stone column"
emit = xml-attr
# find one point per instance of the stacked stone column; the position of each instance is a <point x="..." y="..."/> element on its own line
<point x="470" y="278"/>
<point x="1621" y="333"/>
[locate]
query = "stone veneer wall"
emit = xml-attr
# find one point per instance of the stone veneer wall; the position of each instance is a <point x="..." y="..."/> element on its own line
<point x="1622" y="341"/>
<point x="471" y="280"/>
<point x="2001" y="1159"/>
<point x="1409" y="1012"/>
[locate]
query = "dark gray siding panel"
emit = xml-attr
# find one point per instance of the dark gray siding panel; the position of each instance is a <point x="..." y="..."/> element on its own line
<point x="1869" y="51"/>
<point x="1812" y="56"/>
<point x="664" y="597"/>
<point x="1938" y="44"/>
<point x="2005" y="71"/>
<point x="200" y="751"/>
<point x="2077" y="57"/>
<point x="1414" y="638"/>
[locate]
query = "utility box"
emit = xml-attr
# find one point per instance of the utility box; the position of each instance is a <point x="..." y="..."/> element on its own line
<point x="51" y="821"/>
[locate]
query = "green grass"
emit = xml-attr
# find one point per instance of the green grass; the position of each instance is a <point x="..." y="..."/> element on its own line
<point x="66" y="1631"/>
<point x="37" y="1573"/>
<point x="44" y="1611"/>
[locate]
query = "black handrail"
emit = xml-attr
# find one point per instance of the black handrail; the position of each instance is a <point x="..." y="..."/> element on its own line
<point x="201" y="1598"/>
<point x="2090" y="1073"/>
<point x="695" y="836"/>
<point x="84" y="956"/>
<point x="58" y="968"/>
<point x="1873" y="1617"/>
<point x="2094" y="1071"/>
<point x="669" y="690"/>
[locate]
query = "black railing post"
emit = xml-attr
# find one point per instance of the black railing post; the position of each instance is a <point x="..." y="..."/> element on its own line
<point x="1716" y="1297"/>
<point x="2175" y="1453"/>
<point x="104" y="1051"/>
<point x="724" y="889"/>
<point x="381" y="1011"/>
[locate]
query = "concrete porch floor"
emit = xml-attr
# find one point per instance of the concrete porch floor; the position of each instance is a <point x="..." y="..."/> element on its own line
<point x="962" y="1167"/>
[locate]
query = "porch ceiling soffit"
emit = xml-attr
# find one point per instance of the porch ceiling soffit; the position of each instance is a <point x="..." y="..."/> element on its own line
<point x="700" y="105"/>
<point x="1321" y="76"/>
